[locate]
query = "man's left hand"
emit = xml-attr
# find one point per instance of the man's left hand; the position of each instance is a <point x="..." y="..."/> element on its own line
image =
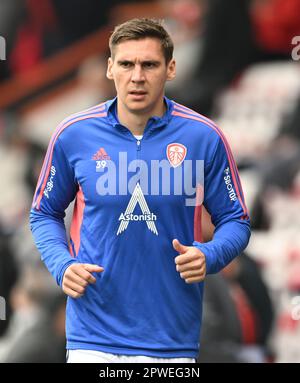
<point x="190" y="263"/>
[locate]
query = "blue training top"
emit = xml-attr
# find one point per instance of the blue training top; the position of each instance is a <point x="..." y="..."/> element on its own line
<point x="133" y="197"/>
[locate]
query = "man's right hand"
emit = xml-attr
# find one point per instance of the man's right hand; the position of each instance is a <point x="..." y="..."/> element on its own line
<point x="77" y="277"/>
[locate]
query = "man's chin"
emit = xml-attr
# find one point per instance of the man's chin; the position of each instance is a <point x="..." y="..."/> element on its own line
<point x="137" y="107"/>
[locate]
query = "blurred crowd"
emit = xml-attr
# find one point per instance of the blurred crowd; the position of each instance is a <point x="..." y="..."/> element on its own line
<point x="234" y="65"/>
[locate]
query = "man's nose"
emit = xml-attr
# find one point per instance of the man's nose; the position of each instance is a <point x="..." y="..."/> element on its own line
<point x="137" y="74"/>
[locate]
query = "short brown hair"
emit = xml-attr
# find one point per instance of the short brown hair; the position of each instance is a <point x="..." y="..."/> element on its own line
<point x="137" y="29"/>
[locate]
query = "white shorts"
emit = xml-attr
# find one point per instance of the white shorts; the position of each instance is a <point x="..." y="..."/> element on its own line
<point x="91" y="356"/>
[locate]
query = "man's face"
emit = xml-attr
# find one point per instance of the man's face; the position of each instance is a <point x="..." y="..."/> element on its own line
<point x="139" y="71"/>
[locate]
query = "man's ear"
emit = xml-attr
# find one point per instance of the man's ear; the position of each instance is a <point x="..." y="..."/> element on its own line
<point x="171" y="70"/>
<point x="109" y="74"/>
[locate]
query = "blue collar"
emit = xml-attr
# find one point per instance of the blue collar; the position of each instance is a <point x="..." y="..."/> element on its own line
<point x="153" y="122"/>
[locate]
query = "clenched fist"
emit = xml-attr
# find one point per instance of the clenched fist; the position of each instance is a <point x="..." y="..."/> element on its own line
<point x="190" y="263"/>
<point x="77" y="277"/>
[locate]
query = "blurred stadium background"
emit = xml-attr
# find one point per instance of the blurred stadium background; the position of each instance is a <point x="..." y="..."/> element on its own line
<point x="236" y="64"/>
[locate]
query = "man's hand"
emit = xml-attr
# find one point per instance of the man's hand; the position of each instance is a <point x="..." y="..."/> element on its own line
<point x="77" y="277"/>
<point x="190" y="263"/>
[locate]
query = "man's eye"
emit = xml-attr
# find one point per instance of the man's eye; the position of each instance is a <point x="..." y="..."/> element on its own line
<point x="125" y="64"/>
<point x="149" y="65"/>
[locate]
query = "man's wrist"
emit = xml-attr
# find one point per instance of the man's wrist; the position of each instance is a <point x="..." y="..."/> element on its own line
<point x="209" y="256"/>
<point x="63" y="270"/>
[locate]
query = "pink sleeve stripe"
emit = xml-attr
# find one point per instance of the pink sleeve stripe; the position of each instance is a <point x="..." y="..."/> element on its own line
<point x="191" y="112"/>
<point x="62" y="128"/>
<point x="209" y="121"/>
<point x="97" y="108"/>
<point x="232" y="164"/>
<point x="198" y="235"/>
<point x="77" y="220"/>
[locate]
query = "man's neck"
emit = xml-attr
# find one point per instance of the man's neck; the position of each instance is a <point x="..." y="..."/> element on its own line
<point x="136" y="122"/>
